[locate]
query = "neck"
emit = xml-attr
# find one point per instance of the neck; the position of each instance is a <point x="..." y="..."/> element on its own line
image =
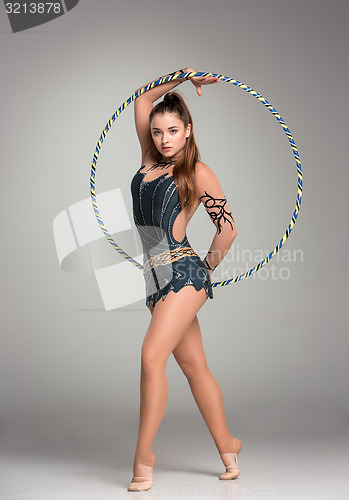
<point x="169" y="161"/>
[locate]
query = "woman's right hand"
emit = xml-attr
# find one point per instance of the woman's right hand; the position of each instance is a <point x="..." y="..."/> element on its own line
<point x="197" y="81"/>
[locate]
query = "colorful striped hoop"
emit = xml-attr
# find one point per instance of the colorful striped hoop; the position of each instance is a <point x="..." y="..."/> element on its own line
<point x="223" y="79"/>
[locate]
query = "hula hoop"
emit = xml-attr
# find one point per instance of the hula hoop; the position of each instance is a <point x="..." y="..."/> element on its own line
<point x="243" y="87"/>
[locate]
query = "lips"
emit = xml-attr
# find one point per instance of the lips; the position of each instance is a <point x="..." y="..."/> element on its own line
<point x="166" y="149"/>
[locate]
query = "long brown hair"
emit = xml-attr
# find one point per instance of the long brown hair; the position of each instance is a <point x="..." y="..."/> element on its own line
<point x="184" y="169"/>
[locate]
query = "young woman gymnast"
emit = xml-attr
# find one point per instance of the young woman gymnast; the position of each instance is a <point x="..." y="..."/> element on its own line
<point x="166" y="191"/>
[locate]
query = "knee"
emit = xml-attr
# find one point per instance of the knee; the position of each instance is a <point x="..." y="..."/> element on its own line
<point x="193" y="369"/>
<point x="152" y="362"/>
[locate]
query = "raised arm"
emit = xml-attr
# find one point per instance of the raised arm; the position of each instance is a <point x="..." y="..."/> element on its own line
<point x="216" y="205"/>
<point x="144" y="104"/>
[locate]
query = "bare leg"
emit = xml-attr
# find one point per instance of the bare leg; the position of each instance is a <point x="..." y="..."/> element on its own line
<point x="170" y="321"/>
<point x="189" y="354"/>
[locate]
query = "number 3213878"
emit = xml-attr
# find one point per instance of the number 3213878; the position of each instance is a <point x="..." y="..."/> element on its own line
<point x="33" y="8"/>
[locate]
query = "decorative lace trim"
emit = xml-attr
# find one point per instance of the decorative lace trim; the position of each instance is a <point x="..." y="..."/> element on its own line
<point x="163" y="293"/>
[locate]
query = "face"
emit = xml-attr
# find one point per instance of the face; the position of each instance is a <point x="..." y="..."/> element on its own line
<point x="169" y="134"/>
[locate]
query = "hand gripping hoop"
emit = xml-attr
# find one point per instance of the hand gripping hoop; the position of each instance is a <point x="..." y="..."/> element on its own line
<point x="223" y="79"/>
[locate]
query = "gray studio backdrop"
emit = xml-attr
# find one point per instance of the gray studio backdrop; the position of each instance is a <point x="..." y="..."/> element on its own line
<point x="277" y="342"/>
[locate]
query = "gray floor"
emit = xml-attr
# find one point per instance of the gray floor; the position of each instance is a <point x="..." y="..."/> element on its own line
<point x="88" y="456"/>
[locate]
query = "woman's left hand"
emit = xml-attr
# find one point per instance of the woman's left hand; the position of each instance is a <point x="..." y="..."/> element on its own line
<point x="197" y="81"/>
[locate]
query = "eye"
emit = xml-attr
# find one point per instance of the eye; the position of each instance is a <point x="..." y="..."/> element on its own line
<point x="174" y="130"/>
<point x="156" y="132"/>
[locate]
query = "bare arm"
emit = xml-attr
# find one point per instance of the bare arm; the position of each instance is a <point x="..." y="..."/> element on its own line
<point x="216" y="205"/>
<point x="144" y="104"/>
<point x="143" y="107"/>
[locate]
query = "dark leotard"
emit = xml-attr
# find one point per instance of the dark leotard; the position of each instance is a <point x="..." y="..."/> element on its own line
<point x="155" y="208"/>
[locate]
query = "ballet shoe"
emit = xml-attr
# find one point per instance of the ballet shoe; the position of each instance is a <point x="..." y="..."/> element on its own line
<point x="142" y="485"/>
<point x="232" y="470"/>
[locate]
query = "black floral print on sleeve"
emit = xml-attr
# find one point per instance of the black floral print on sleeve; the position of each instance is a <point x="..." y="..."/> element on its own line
<point x="216" y="210"/>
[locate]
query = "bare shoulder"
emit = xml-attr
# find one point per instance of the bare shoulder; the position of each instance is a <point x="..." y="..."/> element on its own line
<point x="200" y="167"/>
<point x="204" y="177"/>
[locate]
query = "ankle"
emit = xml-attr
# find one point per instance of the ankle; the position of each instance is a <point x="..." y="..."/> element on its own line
<point x="145" y="458"/>
<point x="231" y="445"/>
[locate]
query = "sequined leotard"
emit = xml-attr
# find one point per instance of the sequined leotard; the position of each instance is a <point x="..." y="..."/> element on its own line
<point x="155" y="208"/>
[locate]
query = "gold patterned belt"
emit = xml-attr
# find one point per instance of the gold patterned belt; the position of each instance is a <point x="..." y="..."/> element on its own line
<point x="167" y="257"/>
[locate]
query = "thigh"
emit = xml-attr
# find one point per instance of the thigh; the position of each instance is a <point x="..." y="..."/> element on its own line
<point x="170" y="320"/>
<point x="189" y="352"/>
